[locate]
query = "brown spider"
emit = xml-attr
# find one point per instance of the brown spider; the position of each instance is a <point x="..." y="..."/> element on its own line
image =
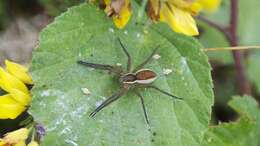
<point x="130" y="79"/>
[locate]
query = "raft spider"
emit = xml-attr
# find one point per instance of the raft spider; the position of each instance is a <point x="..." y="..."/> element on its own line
<point x="139" y="77"/>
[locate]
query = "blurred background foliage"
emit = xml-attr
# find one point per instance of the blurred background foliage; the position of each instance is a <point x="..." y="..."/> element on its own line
<point x="55" y="7"/>
<point x="21" y="21"/>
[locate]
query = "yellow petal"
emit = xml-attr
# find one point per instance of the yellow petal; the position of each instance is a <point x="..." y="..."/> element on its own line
<point x="9" y="108"/>
<point x="21" y="143"/>
<point x="124" y="15"/>
<point x="182" y="3"/>
<point x="2" y="143"/>
<point x="18" y="71"/>
<point x="196" y="8"/>
<point x="210" y="5"/>
<point x="21" y="97"/>
<point x="180" y="21"/>
<point x="8" y="82"/>
<point x="33" y="143"/>
<point x="16" y="136"/>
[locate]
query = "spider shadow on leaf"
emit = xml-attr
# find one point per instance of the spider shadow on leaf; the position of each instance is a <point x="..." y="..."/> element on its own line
<point x="135" y="79"/>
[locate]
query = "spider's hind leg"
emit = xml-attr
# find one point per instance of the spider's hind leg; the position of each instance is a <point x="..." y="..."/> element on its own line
<point x="164" y="92"/>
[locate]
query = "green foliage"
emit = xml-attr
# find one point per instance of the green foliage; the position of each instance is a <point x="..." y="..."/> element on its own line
<point x="241" y="133"/>
<point x="249" y="31"/>
<point x="56" y="7"/>
<point x="3" y="15"/>
<point x="253" y="69"/>
<point x="248" y="28"/>
<point x="210" y="37"/>
<point x="86" y="33"/>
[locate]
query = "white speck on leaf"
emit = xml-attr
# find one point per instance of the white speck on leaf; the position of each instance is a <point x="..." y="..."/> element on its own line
<point x="85" y="91"/>
<point x="103" y="97"/>
<point x="167" y="71"/>
<point x="71" y="142"/>
<point x="184" y="66"/>
<point x="138" y="35"/>
<point x="118" y="64"/>
<point x="126" y="32"/>
<point x="65" y="131"/>
<point x="45" y="93"/>
<point x="209" y="140"/>
<point x="79" y="112"/>
<point x="156" y="56"/>
<point x="182" y="78"/>
<point x="99" y="103"/>
<point x="111" y="30"/>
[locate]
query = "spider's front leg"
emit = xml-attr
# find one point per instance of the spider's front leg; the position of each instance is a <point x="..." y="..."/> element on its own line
<point x="143" y="106"/>
<point x="114" y="69"/>
<point x="109" y="100"/>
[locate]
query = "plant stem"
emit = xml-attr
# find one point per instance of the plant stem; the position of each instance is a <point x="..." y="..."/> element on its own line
<point x="241" y="76"/>
<point x="231" y="48"/>
<point x="230" y="33"/>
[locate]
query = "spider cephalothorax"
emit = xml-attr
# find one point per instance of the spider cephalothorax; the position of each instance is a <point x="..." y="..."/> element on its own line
<point x="136" y="78"/>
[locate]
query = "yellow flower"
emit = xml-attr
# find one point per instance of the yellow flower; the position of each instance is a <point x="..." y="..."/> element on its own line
<point x="179" y="20"/>
<point x="21" y="97"/>
<point x="21" y="143"/>
<point x="16" y="137"/>
<point x="18" y="97"/>
<point x="8" y="82"/>
<point x="33" y="143"/>
<point x="9" y="108"/>
<point x="18" y="71"/>
<point x="2" y="143"/>
<point x="119" y="10"/>
<point x="178" y="14"/>
<point x="209" y="5"/>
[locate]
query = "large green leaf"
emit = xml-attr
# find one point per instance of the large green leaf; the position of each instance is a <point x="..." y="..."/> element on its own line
<point x="85" y="32"/>
<point x="243" y="132"/>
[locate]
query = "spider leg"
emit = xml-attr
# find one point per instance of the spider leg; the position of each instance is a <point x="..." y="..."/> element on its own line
<point x="147" y="59"/>
<point x="143" y="106"/>
<point x="164" y="92"/>
<point x="101" y="67"/>
<point x="129" y="60"/>
<point x="109" y="100"/>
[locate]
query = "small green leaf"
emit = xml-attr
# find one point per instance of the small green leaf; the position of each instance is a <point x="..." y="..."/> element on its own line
<point x="244" y="132"/>
<point x="86" y="33"/>
<point x="249" y="107"/>
<point x="253" y="69"/>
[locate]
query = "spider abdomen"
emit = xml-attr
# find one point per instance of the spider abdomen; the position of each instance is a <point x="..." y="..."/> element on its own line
<point x="145" y="76"/>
